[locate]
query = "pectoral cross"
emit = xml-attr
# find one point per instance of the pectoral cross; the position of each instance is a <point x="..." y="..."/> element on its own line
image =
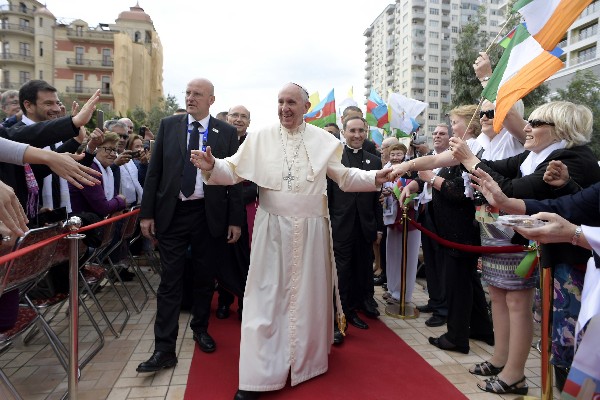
<point x="289" y="178"/>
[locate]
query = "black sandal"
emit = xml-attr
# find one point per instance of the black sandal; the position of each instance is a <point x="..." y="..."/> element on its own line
<point x="486" y="368"/>
<point x="498" y="386"/>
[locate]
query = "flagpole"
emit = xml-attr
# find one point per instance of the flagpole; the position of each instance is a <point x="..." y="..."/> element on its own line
<point x="509" y="19"/>
<point x="473" y="117"/>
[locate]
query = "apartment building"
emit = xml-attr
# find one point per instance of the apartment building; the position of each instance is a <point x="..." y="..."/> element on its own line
<point x="123" y="59"/>
<point x="580" y="45"/>
<point x="411" y="46"/>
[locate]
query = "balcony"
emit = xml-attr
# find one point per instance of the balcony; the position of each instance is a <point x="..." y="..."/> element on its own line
<point x="88" y="90"/>
<point x="10" y="85"/>
<point x="89" y="35"/>
<point x="16" y="57"/>
<point x="582" y="59"/>
<point x="16" y="28"/>
<point x="586" y="33"/>
<point x="591" y="9"/>
<point x="16" y="9"/>
<point x="85" y="63"/>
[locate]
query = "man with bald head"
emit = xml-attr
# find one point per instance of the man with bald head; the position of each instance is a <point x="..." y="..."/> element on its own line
<point x="287" y="302"/>
<point x="239" y="252"/>
<point x="185" y="215"/>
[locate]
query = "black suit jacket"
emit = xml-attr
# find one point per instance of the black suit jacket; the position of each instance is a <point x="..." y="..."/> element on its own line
<point x="223" y="204"/>
<point x="41" y="134"/>
<point x="343" y="206"/>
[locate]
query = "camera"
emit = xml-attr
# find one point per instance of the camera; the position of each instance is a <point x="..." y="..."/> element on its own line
<point x="142" y="131"/>
<point x="136" y="154"/>
<point x="146" y="144"/>
<point x="417" y="138"/>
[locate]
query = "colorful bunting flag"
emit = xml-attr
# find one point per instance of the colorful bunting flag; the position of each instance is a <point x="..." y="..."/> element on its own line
<point x="548" y="20"/>
<point x="323" y="113"/>
<point x="524" y="66"/>
<point x="377" y="110"/>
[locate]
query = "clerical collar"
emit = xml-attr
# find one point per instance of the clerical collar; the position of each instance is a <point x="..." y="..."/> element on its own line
<point x="352" y="149"/>
<point x="299" y="129"/>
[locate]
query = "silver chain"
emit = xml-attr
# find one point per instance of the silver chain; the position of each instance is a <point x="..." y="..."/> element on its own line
<point x="289" y="177"/>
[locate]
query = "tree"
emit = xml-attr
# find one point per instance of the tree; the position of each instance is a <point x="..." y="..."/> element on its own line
<point x="584" y="89"/>
<point x="151" y="119"/>
<point x="466" y="88"/>
<point x="536" y="98"/>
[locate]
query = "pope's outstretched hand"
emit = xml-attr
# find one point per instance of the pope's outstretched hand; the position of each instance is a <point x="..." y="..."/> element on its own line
<point x="203" y="159"/>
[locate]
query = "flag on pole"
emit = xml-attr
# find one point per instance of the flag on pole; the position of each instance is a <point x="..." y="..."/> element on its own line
<point x="348" y="101"/>
<point x="376" y="135"/>
<point x="314" y="100"/>
<point x="506" y="39"/>
<point x="524" y="65"/>
<point x="403" y="110"/>
<point x="323" y="113"/>
<point x="548" y="20"/>
<point x="377" y="110"/>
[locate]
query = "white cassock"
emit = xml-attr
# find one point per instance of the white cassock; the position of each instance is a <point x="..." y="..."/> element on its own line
<point x="287" y="322"/>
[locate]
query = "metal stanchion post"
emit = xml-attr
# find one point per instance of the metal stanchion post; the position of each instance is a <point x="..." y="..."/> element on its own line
<point x="403" y="310"/>
<point x="546" y="333"/>
<point x="74" y="223"/>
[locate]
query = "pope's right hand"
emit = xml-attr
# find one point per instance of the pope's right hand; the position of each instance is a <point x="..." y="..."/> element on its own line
<point x="203" y="160"/>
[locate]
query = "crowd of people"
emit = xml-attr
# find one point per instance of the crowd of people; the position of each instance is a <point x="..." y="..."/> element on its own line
<point x="300" y="223"/>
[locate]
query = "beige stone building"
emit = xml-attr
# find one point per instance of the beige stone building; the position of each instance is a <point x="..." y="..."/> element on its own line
<point x="123" y="59"/>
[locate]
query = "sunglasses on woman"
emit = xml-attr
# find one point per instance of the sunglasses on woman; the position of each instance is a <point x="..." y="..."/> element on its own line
<point x="488" y="113"/>
<point x="538" y="122"/>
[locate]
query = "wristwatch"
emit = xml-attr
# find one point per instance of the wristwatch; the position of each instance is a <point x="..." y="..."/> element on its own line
<point x="576" y="235"/>
<point x="485" y="79"/>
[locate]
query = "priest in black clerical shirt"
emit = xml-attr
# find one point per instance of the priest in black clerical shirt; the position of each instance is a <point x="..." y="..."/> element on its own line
<point x="356" y="223"/>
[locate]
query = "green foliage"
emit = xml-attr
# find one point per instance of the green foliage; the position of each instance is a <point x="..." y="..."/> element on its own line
<point x="584" y="88"/>
<point x="163" y="108"/>
<point x="466" y="88"/>
<point x="536" y="98"/>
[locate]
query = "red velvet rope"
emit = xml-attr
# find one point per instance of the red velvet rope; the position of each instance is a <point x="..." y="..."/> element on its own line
<point x="35" y="246"/>
<point x="468" y="247"/>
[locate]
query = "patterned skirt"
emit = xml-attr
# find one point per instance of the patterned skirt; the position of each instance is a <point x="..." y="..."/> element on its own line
<point x="498" y="270"/>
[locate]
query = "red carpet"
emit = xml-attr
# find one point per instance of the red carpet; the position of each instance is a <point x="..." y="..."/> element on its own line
<point x="373" y="364"/>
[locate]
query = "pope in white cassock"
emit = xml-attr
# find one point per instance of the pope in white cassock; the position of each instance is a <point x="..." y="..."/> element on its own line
<point x="287" y="321"/>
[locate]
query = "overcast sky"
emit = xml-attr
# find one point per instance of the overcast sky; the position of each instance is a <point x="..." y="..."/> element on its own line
<point x="249" y="49"/>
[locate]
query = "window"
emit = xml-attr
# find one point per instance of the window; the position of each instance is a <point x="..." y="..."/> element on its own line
<point x="24" y="77"/>
<point x="6" y="49"/>
<point x="23" y="23"/>
<point x="434" y="23"/>
<point x="79" y="30"/>
<point x="435" y="105"/>
<point x="105" y="84"/>
<point x="455" y="29"/>
<point x="434" y="70"/>
<point x="106" y="58"/>
<point x="433" y="81"/>
<point x="433" y="93"/>
<point x="432" y="117"/>
<point x="434" y="47"/>
<point x="24" y="49"/>
<point x="41" y="22"/>
<point x="434" y="11"/>
<point x="4" y="23"/>
<point x="41" y="76"/>
<point x="79" y="51"/>
<point x="434" y="35"/>
<point x="445" y="82"/>
<point x="41" y="46"/>
<point x="137" y="36"/>
<point x="5" y="77"/>
<point x="78" y="83"/>
<point x="433" y="58"/>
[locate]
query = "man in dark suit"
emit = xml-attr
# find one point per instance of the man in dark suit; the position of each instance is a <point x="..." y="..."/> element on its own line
<point x="180" y="212"/>
<point x="356" y="223"/>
